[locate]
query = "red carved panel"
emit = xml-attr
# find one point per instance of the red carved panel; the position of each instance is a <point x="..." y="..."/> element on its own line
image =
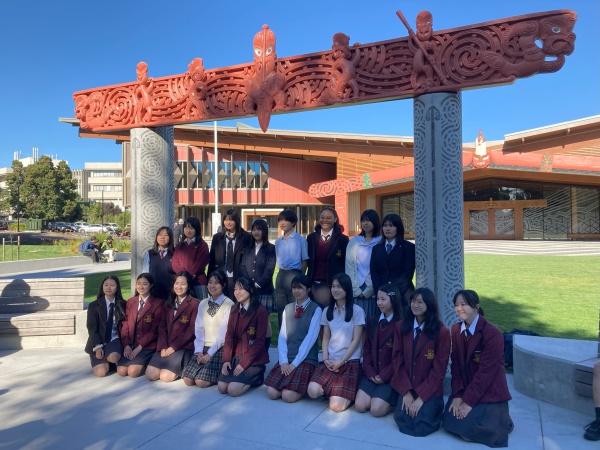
<point x="486" y="54"/>
<point x="336" y="187"/>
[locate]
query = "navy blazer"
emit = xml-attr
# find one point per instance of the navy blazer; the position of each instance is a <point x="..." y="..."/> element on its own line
<point x="96" y="321"/>
<point x="218" y="248"/>
<point x="397" y="268"/>
<point x="336" y="255"/>
<point x="259" y="267"/>
<point x="479" y="376"/>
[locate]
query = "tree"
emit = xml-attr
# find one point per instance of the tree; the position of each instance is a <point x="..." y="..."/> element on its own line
<point x="11" y="196"/>
<point x="49" y="192"/>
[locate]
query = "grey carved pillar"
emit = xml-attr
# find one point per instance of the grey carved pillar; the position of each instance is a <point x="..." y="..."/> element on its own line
<point x="439" y="197"/>
<point x="152" y="189"/>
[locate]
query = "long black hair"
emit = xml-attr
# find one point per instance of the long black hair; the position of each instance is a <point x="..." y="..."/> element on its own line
<point x="337" y="227"/>
<point x="154" y="249"/>
<point x="346" y="284"/>
<point x="249" y="287"/>
<point x="432" y="323"/>
<point x="471" y="298"/>
<point x="150" y="280"/>
<point x="190" y="289"/>
<point x="119" y="300"/>
<point x="372" y="216"/>
<point x="396" y="221"/>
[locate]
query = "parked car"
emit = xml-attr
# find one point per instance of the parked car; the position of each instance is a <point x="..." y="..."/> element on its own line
<point x="62" y="227"/>
<point x="113" y="225"/>
<point x="93" y="228"/>
<point x="3" y="225"/>
<point x="80" y="225"/>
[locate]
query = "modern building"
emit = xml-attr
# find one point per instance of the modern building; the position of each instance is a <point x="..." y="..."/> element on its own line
<point x="100" y="182"/>
<point x="535" y="184"/>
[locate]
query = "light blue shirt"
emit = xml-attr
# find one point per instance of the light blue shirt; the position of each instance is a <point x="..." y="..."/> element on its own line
<point x="463" y="326"/>
<point x="291" y="252"/>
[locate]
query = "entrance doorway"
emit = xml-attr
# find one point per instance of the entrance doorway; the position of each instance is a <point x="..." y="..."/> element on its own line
<point x="492" y="224"/>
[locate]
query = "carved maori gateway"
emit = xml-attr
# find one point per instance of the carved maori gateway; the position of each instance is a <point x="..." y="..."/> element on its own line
<point x="486" y="54"/>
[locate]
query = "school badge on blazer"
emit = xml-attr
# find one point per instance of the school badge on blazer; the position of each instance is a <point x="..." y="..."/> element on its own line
<point x="148" y="319"/>
<point x="477" y="357"/>
<point x="430" y="354"/>
<point x="339" y="254"/>
<point x="251" y="331"/>
<point x="184" y="319"/>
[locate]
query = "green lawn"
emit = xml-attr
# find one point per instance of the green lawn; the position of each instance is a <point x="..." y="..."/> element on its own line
<point x="556" y="296"/>
<point x="27" y="252"/>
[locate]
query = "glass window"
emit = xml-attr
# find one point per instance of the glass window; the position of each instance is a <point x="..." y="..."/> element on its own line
<point x="198" y="182"/>
<point x="225" y="174"/>
<point x="183" y="181"/>
<point x="240" y="170"/>
<point x="210" y="182"/>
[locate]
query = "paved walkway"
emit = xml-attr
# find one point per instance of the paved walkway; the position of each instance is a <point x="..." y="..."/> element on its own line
<point x="51" y="400"/>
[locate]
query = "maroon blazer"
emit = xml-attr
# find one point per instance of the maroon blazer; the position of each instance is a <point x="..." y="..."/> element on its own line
<point x="178" y="331"/>
<point x="377" y="349"/>
<point x="425" y="371"/>
<point x="246" y="336"/>
<point x="193" y="259"/>
<point x="143" y="326"/>
<point x="479" y="376"/>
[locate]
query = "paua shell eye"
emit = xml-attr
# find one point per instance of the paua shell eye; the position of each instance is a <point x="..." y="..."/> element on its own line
<point x="269" y="50"/>
<point x="258" y="51"/>
<point x="556" y="29"/>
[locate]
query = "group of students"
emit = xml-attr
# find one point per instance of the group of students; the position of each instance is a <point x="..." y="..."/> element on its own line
<point x="224" y="338"/>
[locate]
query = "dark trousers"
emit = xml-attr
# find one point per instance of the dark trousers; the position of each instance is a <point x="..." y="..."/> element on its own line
<point x="92" y="254"/>
<point x="283" y="290"/>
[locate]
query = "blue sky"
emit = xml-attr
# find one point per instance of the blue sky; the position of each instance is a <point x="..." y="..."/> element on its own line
<point x="51" y="49"/>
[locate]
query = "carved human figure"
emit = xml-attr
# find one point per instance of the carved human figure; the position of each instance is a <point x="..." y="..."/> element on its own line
<point x="264" y="86"/>
<point x="481" y="158"/>
<point x="422" y="72"/>
<point x="143" y="94"/>
<point x="197" y="91"/>
<point x="343" y="74"/>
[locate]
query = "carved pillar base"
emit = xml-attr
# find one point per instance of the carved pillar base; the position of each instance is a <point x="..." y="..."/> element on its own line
<point x="439" y="197"/>
<point x="152" y="190"/>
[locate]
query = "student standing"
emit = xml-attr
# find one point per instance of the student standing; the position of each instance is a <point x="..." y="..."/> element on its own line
<point x="477" y="410"/>
<point x="326" y="254"/>
<point x="258" y="263"/>
<point x="338" y="375"/>
<point x="393" y="260"/>
<point x="211" y="325"/>
<point x="245" y="353"/>
<point x="375" y="392"/>
<point x="421" y="352"/>
<point x="297" y="345"/>
<point x="358" y="261"/>
<point x="104" y="318"/>
<point x="192" y="256"/>
<point x="139" y="333"/>
<point x="175" y="346"/>
<point x="228" y="247"/>
<point x="292" y="259"/>
<point x="158" y="262"/>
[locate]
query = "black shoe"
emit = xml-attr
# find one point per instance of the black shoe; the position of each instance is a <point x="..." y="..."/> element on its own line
<point x="592" y="431"/>
<point x="511" y="426"/>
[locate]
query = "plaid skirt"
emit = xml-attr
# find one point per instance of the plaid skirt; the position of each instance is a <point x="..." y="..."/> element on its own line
<point x="339" y="384"/>
<point x="253" y="375"/>
<point x="296" y="381"/>
<point x="209" y="371"/>
<point x="268" y="301"/>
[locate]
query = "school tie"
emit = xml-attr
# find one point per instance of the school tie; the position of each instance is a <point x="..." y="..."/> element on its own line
<point x="213" y="307"/>
<point x="242" y="311"/>
<point x="382" y="324"/>
<point x="388" y="248"/>
<point x="417" y="334"/>
<point x="326" y="238"/>
<point x="467" y="334"/>
<point x="109" y="324"/>
<point x="141" y="306"/>
<point x="162" y="254"/>
<point x="229" y="255"/>
<point x="299" y="311"/>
